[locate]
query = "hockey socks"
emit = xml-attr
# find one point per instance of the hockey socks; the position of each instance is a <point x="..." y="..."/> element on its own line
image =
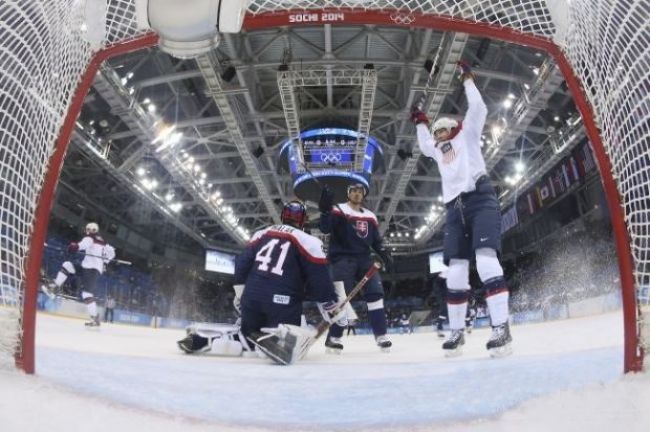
<point x="457" y="308"/>
<point x="377" y="317"/>
<point x="496" y="296"/>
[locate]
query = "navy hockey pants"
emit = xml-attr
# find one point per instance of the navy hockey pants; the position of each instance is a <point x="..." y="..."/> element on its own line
<point x="256" y="314"/>
<point x="473" y="222"/>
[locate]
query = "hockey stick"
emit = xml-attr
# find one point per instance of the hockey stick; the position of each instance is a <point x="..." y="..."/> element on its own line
<point x="115" y="260"/>
<point x="322" y="188"/>
<point x="324" y="325"/>
<point x="282" y="350"/>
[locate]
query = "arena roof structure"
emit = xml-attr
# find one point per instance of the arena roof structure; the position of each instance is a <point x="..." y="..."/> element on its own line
<point x="167" y="145"/>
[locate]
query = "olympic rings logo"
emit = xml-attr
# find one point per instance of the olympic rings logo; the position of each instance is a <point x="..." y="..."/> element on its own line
<point x="331" y="157"/>
<point x="402" y="18"/>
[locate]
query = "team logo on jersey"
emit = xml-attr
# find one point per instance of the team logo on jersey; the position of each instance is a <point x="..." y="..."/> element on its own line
<point x="448" y="152"/>
<point x="361" y="227"/>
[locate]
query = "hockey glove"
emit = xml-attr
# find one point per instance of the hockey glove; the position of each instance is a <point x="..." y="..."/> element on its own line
<point x="333" y="314"/>
<point x="326" y="201"/>
<point x="465" y="70"/>
<point x="385" y="257"/>
<point x="73" y="247"/>
<point x="108" y="253"/>
<point x="417" y="116"/>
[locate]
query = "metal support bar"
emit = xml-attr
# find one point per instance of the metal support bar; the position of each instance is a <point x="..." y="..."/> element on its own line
<point x="208" y="65"/>
<point x="368" y="89"/>
<point x="108" y="85"/>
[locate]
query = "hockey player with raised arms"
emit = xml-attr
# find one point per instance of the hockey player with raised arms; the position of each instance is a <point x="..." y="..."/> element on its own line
<point x="473" y="219"/>
<point x="354" y="233"/>
<point x="98" y="254"/>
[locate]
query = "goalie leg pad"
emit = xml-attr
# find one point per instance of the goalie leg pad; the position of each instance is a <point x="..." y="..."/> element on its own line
<point x="284" y="344"/>
<point x="226" y="347"/>
<point x="217" y="339"/>
<point x="194" y="343"/>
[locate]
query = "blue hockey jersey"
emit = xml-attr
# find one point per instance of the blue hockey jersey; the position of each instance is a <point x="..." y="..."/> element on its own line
<point x="284" y="262"/>
<point x="352" y="233"/>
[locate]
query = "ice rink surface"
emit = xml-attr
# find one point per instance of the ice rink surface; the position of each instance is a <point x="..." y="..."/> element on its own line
<point x="563" y="376"/>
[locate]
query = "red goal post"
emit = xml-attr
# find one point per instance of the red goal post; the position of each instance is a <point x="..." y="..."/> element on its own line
<point x="48" y="63"/>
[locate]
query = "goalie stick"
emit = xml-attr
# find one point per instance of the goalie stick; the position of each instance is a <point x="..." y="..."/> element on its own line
<point x="284" y="350"/>
<point x="115" y="260"/>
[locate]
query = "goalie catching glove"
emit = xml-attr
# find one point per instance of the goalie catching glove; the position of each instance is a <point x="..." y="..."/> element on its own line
<point x="333" y="314"/>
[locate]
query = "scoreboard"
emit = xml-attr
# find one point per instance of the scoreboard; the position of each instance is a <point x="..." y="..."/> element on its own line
<point x="330" y="155"/>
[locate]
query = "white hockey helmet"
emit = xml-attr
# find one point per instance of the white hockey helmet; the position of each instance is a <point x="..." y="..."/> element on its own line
<point x="444" y="123"/>
<point x="92" y="228"/>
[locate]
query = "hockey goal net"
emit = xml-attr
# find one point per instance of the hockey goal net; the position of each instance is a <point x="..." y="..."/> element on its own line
<point x="50" y="51"/>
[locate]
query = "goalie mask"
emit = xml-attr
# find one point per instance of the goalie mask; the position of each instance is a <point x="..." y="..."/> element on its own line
<point x="294" y="213"/>
<point x="445" y="123"/>
<point x="92" y="228"/>
<point x="357" y="186"/>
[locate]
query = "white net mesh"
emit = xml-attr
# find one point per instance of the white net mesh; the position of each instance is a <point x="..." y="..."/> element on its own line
<point x="43" y="54"/>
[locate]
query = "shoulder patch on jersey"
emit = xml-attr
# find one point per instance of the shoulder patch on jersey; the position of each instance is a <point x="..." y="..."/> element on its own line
<point x="353" y="215"/>
<point x="257" y="235"/>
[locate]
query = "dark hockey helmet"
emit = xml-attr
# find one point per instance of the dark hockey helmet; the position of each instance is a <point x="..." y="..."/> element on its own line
<point x="294" y="213"/>
<point x="355" y="186"/>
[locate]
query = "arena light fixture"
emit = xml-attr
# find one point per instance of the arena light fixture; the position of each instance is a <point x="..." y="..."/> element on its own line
<point x="520" y="166"/>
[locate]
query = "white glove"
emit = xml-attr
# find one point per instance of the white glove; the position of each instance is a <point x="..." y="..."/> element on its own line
<point x="108" y="253"/>
<point x="333" y="314"/>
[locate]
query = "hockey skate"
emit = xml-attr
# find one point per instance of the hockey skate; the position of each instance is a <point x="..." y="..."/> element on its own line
<point x="333" y="345"/>
<point x="93" y="323"/>
<point x="383" y="343"/>
<point x="48" y="290"/>
<point x="500" y="343"/>
<point x="48" y="287"/>
<point x="441" y="333"/>
<point x="454" y="345"/>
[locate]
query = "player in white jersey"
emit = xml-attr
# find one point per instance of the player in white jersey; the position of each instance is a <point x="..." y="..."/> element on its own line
<point x="473" y="220"/>
<point x="98" y="254"/>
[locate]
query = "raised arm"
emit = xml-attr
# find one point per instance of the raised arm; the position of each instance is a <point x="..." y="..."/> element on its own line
<point x="424" y="137"/>
<point x="476" y="109"/>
